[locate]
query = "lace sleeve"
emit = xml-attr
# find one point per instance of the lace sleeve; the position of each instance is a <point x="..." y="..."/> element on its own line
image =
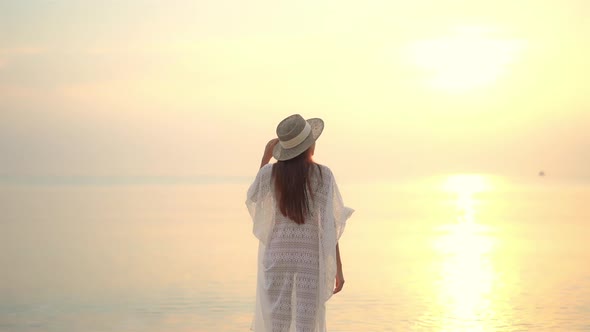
<point x="334" y="220"/>
<point x="341" y="213"/>
<point x="260" y="204"/>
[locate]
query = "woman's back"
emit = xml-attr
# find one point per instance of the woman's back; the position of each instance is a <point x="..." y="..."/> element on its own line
<point x="295" y="246"/>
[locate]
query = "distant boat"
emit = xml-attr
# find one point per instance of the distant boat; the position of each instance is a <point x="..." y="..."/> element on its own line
<point x="541" y="173"/>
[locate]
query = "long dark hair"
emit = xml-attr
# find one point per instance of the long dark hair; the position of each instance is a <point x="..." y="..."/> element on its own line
<point x="292" y="183"/>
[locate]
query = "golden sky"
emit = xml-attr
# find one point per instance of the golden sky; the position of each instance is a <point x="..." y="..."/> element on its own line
<point x="176" y="87"/>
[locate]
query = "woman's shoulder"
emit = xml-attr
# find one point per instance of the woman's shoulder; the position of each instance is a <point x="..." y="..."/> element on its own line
<point x="323" y="167"/>
<point x="324" y="170"/>
<point x="265" y="170"/>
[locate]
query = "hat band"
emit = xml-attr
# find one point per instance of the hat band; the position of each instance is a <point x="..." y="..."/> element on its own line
<point x="293" y="142"/>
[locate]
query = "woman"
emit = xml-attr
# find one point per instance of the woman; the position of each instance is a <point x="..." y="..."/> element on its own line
<point x="298" y="217"/>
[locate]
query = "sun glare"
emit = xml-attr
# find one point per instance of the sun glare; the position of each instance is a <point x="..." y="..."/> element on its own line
<point x="464" y="247"/>
<point x="465" y="59"/>
<point x="465" y="186"/>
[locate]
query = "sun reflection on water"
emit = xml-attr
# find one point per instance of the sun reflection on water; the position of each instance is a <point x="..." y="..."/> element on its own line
<point x="464" y="248"/>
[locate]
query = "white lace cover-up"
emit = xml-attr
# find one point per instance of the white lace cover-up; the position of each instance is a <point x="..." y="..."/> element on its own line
<point x="296" y="263"/>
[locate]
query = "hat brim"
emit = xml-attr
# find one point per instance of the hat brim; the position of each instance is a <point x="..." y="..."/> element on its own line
<point x="281" y="154"/>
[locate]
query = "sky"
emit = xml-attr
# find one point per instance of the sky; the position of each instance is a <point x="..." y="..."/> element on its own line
<point x="196" y="88"/>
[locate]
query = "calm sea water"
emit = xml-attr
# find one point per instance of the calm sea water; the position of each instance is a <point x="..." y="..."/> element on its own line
<point x="452" y="253"/>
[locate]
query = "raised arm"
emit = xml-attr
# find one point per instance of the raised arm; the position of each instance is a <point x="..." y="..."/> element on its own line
<point x="268" y="151"/>
<point x="339" y="274"/>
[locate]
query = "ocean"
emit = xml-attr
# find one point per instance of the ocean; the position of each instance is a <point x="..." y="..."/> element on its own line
<point x="452" y="253"/>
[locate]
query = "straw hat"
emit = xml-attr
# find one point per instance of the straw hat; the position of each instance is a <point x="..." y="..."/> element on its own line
<point x="296" y="135"/>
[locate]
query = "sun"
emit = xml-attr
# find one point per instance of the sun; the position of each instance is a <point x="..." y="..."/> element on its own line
<point x="467" y="58"/>
<point x="466" y="184"/>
